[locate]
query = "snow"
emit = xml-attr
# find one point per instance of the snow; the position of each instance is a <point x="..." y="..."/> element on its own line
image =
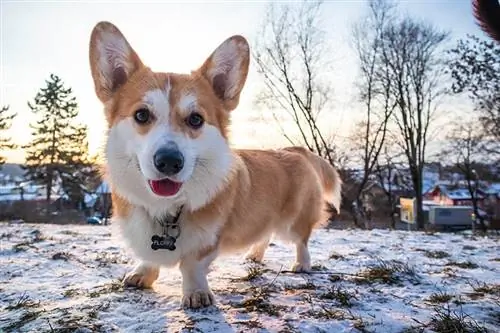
<point x="57" y="277"/>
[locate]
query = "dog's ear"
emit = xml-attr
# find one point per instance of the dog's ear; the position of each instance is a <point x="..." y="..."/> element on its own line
<point x="226" y="69"/>
<point x="112" y="60"/>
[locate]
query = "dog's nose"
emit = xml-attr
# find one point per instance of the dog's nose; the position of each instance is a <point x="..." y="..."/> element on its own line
<point x="168" y="161"/>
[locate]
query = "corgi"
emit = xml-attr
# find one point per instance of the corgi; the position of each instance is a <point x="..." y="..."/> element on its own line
<point x="181" y="195"/>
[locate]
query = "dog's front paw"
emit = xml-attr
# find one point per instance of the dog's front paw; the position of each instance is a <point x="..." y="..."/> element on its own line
<point x="198" y="299"/>
<point x="141" y="277"/>
<point x="301" y="267"/>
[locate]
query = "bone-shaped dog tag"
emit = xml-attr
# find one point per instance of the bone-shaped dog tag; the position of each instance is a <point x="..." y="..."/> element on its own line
<point x="163" y="242"/>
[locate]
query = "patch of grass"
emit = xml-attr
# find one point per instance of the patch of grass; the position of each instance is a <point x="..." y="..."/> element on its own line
<point x="23" y="302"/>
<point x="22" y="247"/>
<point x="61" y="256"/>
<point x="7" y="235"/>
<point x="484" y="288"/>
<point x="318" y="268"/>
<point x="263" y="306"/>
<point x="328" y="314"/>
<point x="322" y="312"/>
<point x="115" y="286"/>
<point x="341" y="296"/>
<point x="69" y="232"/>
<point x="259" y="302"/>
<point x="71" y="292"/>
<point x="73" y="323"/>
<point x="436" y="254"/>
<point x="464" y="264"/>
<point x="94" y="312"/>
<point x="25" y="318"/>
<point x="445" y="320"/>
<point x="37" y="236"/>
<point x="336" y="256"/>
<point x="249" y="323"/>
<point x="335" y="278"/>
<point x="388" y="272"/>
<point x="495" y="259"/>
<point x="439" y="297"/>
<point x="253" y="272"/>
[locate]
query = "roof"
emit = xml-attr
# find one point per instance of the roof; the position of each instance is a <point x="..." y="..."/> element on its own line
<point x="455" y="192"/>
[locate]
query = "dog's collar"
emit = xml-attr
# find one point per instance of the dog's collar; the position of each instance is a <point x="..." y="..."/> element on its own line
<point x="168" y="220"/>
<point x="171" y="231"/>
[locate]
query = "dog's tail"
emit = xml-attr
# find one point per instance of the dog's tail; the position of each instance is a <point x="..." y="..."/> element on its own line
<point x="329" y="176"/>
<point x="487" y="15"/>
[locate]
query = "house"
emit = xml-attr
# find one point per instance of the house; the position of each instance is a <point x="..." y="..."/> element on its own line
<point x="453" y="194"/>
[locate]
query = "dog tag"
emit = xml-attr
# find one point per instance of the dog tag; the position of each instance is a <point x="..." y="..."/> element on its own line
<point x="165" y="242"/>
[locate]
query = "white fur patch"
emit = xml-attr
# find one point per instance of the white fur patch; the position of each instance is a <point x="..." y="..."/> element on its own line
<point x="187" y="103"/>
<point x="158" y="102"/>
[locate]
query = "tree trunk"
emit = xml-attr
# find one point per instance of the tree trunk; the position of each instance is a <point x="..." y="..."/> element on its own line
<point x="420" y="212"/>
<point x="419" y="200"/>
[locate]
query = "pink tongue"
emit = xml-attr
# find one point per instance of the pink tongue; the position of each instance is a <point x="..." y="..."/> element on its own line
<point x="164" y="187"/>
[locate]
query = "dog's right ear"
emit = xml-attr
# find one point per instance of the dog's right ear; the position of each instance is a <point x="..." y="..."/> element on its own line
<point x="112" y="60"/>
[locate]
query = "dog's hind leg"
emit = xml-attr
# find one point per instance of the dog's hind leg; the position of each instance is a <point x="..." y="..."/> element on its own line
<point x="142" y="276"/>
<point x="303" y="259"/>
<point x="301" y="232"/>
<point x="256" y="252"/>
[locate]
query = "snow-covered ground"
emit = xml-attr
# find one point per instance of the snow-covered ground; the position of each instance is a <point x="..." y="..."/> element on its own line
<point x="61" y="278"/>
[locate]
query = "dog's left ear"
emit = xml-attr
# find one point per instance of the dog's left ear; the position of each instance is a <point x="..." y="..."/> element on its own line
<point x="226" y="69"/>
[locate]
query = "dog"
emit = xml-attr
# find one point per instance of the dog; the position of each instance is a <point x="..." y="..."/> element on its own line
<point x="181" y="195"/>
<point x="487" y="16"/>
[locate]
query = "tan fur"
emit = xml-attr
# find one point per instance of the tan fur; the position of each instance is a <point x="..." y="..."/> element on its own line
<point x="268" y="192"/>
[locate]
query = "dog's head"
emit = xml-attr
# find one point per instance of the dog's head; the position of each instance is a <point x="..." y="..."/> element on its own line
<point x="167" y="132"/>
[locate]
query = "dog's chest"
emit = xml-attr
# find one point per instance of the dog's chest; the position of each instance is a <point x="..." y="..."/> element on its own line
<point x="150" y="240"/>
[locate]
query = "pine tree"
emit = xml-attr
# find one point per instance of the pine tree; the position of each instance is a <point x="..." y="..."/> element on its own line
<point x="81" y="168"/>
<point x="6" y="118"/>
<point x="58" y="150"/>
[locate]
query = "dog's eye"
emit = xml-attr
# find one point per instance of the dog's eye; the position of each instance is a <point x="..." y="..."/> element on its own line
<point x="142" y="116"/>
<point x="195" y="120"/>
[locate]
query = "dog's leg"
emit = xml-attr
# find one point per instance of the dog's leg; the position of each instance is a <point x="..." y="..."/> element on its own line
<point x="256" y="252"/>
<point x="142" y="276"/>
<point x="195" y="290"/>
<point x="303" y="261"/>
<point x="302" y="233"/>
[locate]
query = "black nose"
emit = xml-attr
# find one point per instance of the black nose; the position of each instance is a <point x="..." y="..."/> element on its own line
<point x="168" y="161"/>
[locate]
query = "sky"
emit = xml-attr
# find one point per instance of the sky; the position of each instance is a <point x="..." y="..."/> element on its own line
<point x="38" y="38"/>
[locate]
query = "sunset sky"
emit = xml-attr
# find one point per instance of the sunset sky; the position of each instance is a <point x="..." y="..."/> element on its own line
<point x="43" y="37"/>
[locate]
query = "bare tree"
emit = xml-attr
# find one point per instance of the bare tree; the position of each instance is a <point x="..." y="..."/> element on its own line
<point x="464" y="148"/>
<point x="374" y="91"/>
<point x="389" y="172"/>
<point x="290" y="57"/>
<point x="411" y="63"/>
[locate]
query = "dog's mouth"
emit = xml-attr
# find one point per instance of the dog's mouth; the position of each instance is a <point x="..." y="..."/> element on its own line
<point x="164" y="187"/>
